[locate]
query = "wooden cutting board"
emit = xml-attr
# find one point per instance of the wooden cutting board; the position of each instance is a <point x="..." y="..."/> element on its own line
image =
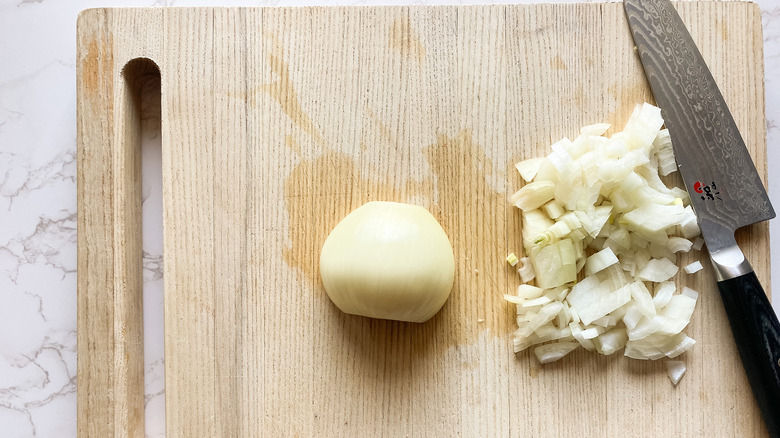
<point x="276" y="123"/>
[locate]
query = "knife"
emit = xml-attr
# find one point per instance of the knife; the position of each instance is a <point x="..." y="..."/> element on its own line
<point x="726" y="192"/>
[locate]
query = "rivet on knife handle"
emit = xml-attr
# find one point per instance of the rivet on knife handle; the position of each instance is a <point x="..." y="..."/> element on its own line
<point x="725" y="188"/>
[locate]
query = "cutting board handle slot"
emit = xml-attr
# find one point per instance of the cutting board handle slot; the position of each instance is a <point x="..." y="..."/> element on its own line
<point x="143" y="75"/>
<point x="137" y="106"/>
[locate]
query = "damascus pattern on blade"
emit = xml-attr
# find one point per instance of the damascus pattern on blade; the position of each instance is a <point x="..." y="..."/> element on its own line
<point x="725" y="188"/>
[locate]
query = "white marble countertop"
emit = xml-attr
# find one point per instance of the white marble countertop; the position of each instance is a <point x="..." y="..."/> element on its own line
<point x="38" y="210"/>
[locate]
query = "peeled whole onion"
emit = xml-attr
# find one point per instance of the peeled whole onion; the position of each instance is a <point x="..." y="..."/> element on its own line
<point x="388" y="260"/>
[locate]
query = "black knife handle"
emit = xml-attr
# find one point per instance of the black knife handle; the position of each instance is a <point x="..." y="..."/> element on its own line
<point x="757" y="334"/>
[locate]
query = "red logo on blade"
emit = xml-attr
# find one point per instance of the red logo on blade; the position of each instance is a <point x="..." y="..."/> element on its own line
<point x="708" y="191"/>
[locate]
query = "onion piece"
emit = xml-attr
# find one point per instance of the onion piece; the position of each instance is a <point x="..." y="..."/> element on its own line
<point x="535" y="222"/>
<point x="643" y="126"/>
<point x="581" y="293"/>
<point x="520" y="343"/>
<point x="664" y="152"/>
<point x="635" y="352"/>
<point x="600" y="261"/>
<point x="551" y="352"/>
<point x="550" y="333"/>
<point x="684" y="345"/>
<point x="676" y="315"/>
<point x="562" y="320"/>
<point x="693" y="267"/>
<point x="526" y="270"/>
<point x="560" y="157"/>
<point x="644" y="328"/>
<point x="605" y="321"/>
<point x="657" y="346"/>
<point x="592" y="332"/>
<point x="676" y="369"/>
<point x="663" y="293"/>
<point x="658" y="270"/>
<point x="679" y="244"/>
<point x="575" y="317"/>
<point x="688" y="292"/>
<point x="555" y="264"/>
<point x="533" y="195"/>
<point x="529" y="292"/>
<point x="594" y="221"/>
<point x="642" y="299"/>
<point x="600" y="302"/>
<point x="654" y="218"/>
<point x="619" y="239"/>
<point x="576" y="332"/>
<point x="632" y="317"/>
<point x="545" y="315"/>
<point x="513" y="299"/>
<point x="595" y="129"/>
<point x="536" y="302"/>
<point x="610" y="342"/>
<point x="556" y="232"/>
<point x="689" y="227"/>
<point x="571" y="220"/>
<point x="554" y="209"/>
<point x="529" y="168"/>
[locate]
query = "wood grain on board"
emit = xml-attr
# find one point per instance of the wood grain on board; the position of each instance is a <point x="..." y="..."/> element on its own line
<point x="277" y="122"/>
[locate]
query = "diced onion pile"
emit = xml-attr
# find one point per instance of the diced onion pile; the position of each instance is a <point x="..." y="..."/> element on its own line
<point x="596" y="208"/>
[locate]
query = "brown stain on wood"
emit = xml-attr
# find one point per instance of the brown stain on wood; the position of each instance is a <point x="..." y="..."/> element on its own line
<point x="403" y="39"/>
<point x="335" y="184"/>
<point x="533" y="368"/>
<point x="292" y="144"/>
<point x="90" y="67"/>
<point x="385" y="135"/>
<point x="283" y="91"/>
<point x="462" y="172"/>
<point x="332" y="177"/>
<point x="97" y="63"/>
<point x="557" y="63"/>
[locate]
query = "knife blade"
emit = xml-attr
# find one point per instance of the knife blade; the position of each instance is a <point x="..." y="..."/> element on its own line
<point x="724" y="186"/>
